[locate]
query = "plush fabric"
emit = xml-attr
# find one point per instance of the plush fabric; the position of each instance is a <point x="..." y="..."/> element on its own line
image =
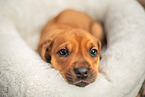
<point x="24" y="73"/>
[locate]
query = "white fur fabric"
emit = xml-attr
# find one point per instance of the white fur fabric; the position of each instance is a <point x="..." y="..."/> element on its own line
<point x="24" y="74"/>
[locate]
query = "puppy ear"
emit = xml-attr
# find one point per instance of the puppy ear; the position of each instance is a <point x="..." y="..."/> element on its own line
<point x="97" y="31"/>
<point x="99" y="45"/>
<point x="44" y="50"/>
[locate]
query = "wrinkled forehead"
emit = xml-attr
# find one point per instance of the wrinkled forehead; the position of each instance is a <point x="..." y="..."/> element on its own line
<point x="76" y="39"/>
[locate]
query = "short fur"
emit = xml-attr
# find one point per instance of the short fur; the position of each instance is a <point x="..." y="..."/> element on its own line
<point x="77" y="32"/>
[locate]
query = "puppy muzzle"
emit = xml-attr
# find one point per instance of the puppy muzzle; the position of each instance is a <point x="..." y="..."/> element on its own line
<point x="80" y="76"/>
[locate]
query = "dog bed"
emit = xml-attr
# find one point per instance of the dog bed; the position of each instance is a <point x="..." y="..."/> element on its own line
<point x="24" y="74"/>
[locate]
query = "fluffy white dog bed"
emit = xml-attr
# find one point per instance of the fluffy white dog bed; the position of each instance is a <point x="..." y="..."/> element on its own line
<point x="24" y="73"/>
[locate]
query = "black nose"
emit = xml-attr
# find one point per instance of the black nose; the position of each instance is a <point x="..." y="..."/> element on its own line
<point x="81" y="72"/>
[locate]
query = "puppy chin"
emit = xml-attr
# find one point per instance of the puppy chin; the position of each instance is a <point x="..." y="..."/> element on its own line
<point x="72" y="79"/>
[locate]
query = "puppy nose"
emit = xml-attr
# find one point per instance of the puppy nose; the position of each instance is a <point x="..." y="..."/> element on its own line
<point x="81" y="72"/>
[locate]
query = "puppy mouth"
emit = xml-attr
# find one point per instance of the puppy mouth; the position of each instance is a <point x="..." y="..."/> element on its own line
<point x="81" y="83"/>
<point x="71" y="79"/>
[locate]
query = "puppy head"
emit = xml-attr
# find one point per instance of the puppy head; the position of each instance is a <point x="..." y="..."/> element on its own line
<point x="75" y="53"/>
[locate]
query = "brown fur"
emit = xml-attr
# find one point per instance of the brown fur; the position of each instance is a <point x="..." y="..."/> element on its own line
<point x="78" y="33"/>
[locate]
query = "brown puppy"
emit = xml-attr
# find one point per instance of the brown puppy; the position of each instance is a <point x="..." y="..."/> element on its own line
<point x="71" y="42"/>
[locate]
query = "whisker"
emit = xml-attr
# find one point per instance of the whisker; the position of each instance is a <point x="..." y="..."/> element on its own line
<point x="69" y="77"/>
<point x="91" y="78"/>
<point x="92" y="75"/>
<point x="70" y="80"/>
<point x="68" y="74"/>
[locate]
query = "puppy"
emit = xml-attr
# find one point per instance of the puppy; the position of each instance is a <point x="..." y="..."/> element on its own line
<point x="71" y="42"/>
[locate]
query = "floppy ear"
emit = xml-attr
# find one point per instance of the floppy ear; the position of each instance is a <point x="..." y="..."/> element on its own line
<point x="97" y="31"/>
<point x="44" y="49"/>
<point x="99" y="45"/>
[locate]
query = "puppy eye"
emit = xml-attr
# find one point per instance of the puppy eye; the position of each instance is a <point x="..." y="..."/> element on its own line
<point x="63" y="52"/>
<point x="93" y="52"/>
